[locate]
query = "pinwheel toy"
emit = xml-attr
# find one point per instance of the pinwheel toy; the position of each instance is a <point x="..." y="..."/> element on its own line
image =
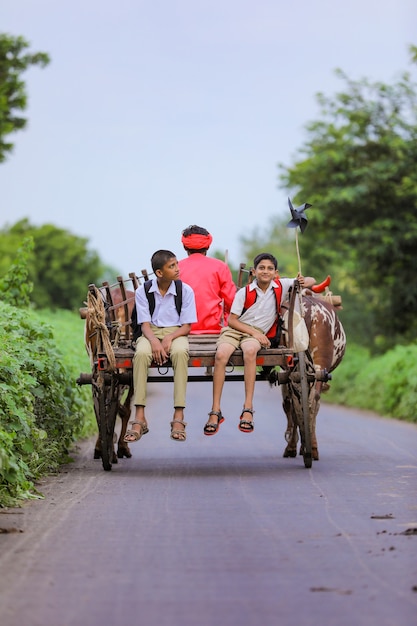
<point x="298" y="219"/>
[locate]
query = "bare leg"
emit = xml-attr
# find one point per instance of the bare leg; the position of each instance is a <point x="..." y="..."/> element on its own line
<point x="223" y="354"/>
<point x="250" y="350"/>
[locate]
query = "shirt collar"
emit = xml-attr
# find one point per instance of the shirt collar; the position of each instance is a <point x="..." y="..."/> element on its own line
<point x="171" y="289"/>
<point x="254" y="284"/>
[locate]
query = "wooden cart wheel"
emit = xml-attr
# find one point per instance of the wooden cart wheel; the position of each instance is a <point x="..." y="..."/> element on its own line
<point x="305" y="392"/>
<point x="108" y="402"/>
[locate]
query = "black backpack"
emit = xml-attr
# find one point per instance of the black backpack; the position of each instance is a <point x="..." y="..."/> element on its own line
<point x="137" y="328"/>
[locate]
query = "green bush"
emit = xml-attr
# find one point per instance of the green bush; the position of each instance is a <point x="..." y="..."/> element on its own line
<point x="41" y="409"/>
<point x="68" y="331"/>
<point x="392" y="378"/>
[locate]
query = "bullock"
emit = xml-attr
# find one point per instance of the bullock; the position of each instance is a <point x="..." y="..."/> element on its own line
<point x="118" y="307"/>
<point x="327" y="344"/>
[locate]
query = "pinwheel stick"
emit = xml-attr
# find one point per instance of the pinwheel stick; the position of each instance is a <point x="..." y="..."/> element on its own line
<point x="298" y="252"/>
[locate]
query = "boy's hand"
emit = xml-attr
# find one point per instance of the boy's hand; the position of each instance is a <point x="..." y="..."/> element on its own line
<point x="159" y="355"/>
<point x="306" y="281"/>
<point x="300" y="279"/>
<point x="263" y="339"/>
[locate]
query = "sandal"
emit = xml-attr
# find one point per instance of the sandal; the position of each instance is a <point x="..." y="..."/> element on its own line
<point x="246" y="426"/>
<point x="136" y="434"/>
<point x="210" y="428"/>
<point x="178" y="435"/>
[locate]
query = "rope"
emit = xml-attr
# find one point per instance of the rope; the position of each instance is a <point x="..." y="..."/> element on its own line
<point x="97" y="317"/>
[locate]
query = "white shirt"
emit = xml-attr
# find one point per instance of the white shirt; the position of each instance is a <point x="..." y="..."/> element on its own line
<point x="263" y="312"/>
<point x="165" y="313"/>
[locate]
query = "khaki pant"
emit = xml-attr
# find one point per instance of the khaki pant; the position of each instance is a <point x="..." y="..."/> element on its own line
<point x="143" y="358"/>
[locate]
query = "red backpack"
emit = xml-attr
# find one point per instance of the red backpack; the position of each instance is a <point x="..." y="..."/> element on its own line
<point x="250" y="299"/>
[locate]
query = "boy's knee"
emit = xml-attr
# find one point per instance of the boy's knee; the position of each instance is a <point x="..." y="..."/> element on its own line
<point x="250" y="352"/>
<point x="222" y="354"/>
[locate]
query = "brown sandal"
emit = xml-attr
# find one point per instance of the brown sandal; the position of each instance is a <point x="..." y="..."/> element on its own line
<point x="176" y="434"/>
<point x="136" y="434"/>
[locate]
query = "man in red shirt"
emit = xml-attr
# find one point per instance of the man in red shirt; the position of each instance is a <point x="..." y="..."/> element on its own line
<point x="211" y="280"/>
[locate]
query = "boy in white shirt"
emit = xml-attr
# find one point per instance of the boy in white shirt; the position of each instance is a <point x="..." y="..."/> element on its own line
<point x="247" y="329"/>
<point x="164" y="336"/>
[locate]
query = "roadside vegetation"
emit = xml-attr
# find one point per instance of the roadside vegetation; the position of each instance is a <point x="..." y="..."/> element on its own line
<point x="42" y="412"/>
<point x="357" y="168"/>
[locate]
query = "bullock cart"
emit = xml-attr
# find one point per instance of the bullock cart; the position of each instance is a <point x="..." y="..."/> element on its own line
<point x="108" y="336"/>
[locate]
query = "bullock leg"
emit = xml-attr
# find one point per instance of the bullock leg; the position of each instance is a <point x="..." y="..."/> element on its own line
<point x="105" y="400"/>
<point x="315" y="406"/>
<point x="108" y="400"/>
<point x="124" y="413"/>
<point x="291" y="433"/>
<point x="305" y="413"/>
<point x="98" y="448"/>
<point x="314" y="401"/>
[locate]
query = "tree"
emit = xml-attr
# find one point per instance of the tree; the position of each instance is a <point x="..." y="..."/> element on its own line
<point x="358" y="170"/>
<point x="14" y="60"/>
<point x="61" y="266"/>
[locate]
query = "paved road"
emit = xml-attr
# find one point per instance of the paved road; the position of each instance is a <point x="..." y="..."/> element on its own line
<point x="223" y="531"/>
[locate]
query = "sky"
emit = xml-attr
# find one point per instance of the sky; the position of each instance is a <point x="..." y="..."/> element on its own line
<point x="157" y="114"/>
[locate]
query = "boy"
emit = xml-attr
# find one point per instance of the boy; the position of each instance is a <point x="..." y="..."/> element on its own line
<point x="247" y="329"/>
<point x="164" y="335"/>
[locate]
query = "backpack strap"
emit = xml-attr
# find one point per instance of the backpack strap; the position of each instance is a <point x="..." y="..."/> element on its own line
<point x="150" y="296"/>
<point x="278" y="295"/>
<point x="275" y="331"/>
<point x="178" y="297"/>
<point x="250" y="298"/>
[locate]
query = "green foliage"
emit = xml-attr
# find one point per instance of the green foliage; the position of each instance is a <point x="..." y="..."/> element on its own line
<point x="61" y="265"/>
<point x="68" y="332"/>
<point x="15" y="286"/>
<point x="392" y="378"/>
<point x="14" y="60"/>
<point x="41" y="410"/>
<point x="357" y="168"/>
